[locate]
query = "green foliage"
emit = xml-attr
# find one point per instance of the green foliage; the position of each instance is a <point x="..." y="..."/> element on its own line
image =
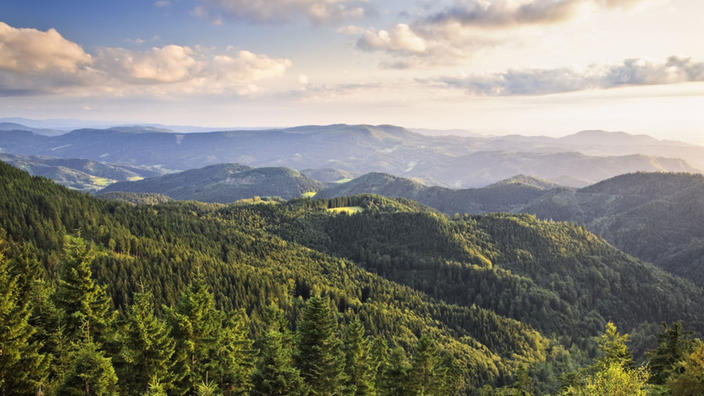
<point x="318" y="354"/>
<point x="91" y="374"/>
<point x="612" y="380"/>
<point x="674" y="344"/>
<point x="688" y="379"/>
<point x="360" y="366"/>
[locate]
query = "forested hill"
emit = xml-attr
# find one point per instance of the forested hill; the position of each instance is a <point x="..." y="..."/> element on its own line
<point x="223" y="183"/>
<point x="479" y="286"/>
<point x="657" y="217"/>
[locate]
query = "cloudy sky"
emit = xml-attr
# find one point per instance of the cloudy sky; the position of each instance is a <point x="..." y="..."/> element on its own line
<point x="550" y="67"/>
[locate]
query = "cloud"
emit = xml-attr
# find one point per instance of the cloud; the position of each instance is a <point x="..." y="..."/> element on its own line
<point x="279" y="11"/>
<point x="162" y="4"/>
<point x="33" y="52"/>
<point x="511" y="13"/>
<point x="468" y="27"/>
<point x="303" y="79"/>
<point x="35" y="62"/>
<point x="534" y="81"/>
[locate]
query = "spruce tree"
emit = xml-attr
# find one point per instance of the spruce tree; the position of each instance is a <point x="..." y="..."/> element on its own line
<point x="275" y="374"/>
<point x="92" y="374"/>
<point x="673" y="345"/>
<point x="395" y="380"/>
<point x="428" y="374"/>
<point x="147" y="348"/>
<point x="196" y="326"/>
<point x="235" y="356"/>
<point x="318" y="357"/>
<point x="360" y="370"/>
<point x="22" y="365"/>
<point x="79" y="297"/>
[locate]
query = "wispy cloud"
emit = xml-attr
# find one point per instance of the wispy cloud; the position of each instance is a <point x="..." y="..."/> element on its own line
<point x="162" y="3"/>
<point x="32" y="61"/>
<point x="458" y="32"/>
<point x="280" y="11"/>
<point x="535" y="81"/>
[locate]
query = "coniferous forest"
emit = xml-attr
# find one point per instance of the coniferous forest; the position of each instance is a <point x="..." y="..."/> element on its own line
<point x="272" y="297"/>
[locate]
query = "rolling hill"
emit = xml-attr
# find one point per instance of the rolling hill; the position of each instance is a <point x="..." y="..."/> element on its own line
<point x="440" y="160"/>
<point x="223" y="183"/>
<point x="79" y="174"/>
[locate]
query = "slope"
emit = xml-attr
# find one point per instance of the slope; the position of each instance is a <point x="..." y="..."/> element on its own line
<point x="224" y="183"/>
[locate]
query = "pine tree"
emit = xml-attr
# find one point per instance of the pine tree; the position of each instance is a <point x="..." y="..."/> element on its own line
<point x="673" y="345"/>
<point x="275" y="374"/>
<point x="92" y="374"/>
<point x="428" y="374"/>
<point x="79" y="297"/>
<point x="360" y="370"/>
<point x="235" y="356"/>
<point x="147" y="347"/>
<point x="396" y="375"/>
<point x="196" y="326"/>
<point x="318" y="356"/>
<point x="22" y="365"/>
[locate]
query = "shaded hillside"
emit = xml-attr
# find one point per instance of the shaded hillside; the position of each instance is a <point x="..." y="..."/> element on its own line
<point x="504" y="196"/>
<point x="224" y="183"/>
<point x="657" y="217"/>
<point x="443" y="160"/>
<point x="328" y="175"/>
<point x="79" y="174"/>
<point x="135" y="198"/>
<point x="11" y="126"/>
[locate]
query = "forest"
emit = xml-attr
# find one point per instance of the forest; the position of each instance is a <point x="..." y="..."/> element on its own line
<point x="288" y="298"/>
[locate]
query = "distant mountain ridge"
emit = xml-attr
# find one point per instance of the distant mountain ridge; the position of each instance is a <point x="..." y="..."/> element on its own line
<point x="452" y="161"/>
<point x="223" y="183"/>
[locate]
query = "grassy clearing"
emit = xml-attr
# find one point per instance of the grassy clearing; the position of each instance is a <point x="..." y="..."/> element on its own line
<point x="135" y="178"/>
<point x="342" y="181"/>
<point x="101" y="181"/>
<point x="347" y="209"/>
<point x="309" y="194"/>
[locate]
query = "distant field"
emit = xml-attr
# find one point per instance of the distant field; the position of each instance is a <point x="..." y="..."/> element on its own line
<point x="135" y="178"/>
<point x="310" y="194"/>
<point x="343" y="181"/>
<point x="101" y="181"/>
<point x="348" y="209"/>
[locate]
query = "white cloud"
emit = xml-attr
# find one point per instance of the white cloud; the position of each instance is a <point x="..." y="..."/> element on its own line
<point x="535" y="81"/>
<point x="302" y="79"/>
<point x="471" y="26"/>
<point x="35" y="62"/>
<point x="278" y="11"/>
<point x="30" y="51"/>
<point x="162" y="3"/>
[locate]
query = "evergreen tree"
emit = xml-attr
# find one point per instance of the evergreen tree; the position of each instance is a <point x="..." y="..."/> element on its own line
<point x="275" y="374"/>
<point x="79" y="297"/>
<point x="318" y="356"/>
<point x="613" y="349"/>
<point x="147" y="348"/>
<point x="523" y="384"/>
<point x="360" y="368"/>
<point x="235" y="358"/>
<point x="396" y="375"/>
<point x="22" y="365"/>
<point x="688" y="379"/>
<point x="673" y="345"/>
<point x="196" y="326"/>
<point x="379" y="354"/>
<point x="429" y="374"/>
<point x="92" y="374"/>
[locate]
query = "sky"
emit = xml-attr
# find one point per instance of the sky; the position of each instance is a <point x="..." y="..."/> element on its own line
<point x="531" y="67"/>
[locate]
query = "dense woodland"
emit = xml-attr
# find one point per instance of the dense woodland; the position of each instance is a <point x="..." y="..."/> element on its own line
<point x="287" y="298"/>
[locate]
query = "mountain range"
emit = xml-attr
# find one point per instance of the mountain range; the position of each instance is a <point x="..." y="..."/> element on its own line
<point x="451" y="161"/>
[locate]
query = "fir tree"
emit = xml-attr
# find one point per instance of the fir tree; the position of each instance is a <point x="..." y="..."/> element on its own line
<point x="275" y="374"/>
<point x="22" y="366"/>
<point x="396" y="375"/>
<point x="428" y="375"/>
<point x="360" y="370"/>
<point x="79" y="297"/>
<point x="673" y="345"/>
<point x="196" y="326"/>
<point x="147" y="347"/>
<point x="92" y="374"/>
<point x="235" y="357"/>
<point x="318" y="356"/>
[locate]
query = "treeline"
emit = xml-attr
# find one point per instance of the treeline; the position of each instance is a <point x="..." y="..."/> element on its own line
<point x="67" y="340"/>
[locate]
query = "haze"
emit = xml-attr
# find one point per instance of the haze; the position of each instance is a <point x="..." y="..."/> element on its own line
<point x="532" y="67"/>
